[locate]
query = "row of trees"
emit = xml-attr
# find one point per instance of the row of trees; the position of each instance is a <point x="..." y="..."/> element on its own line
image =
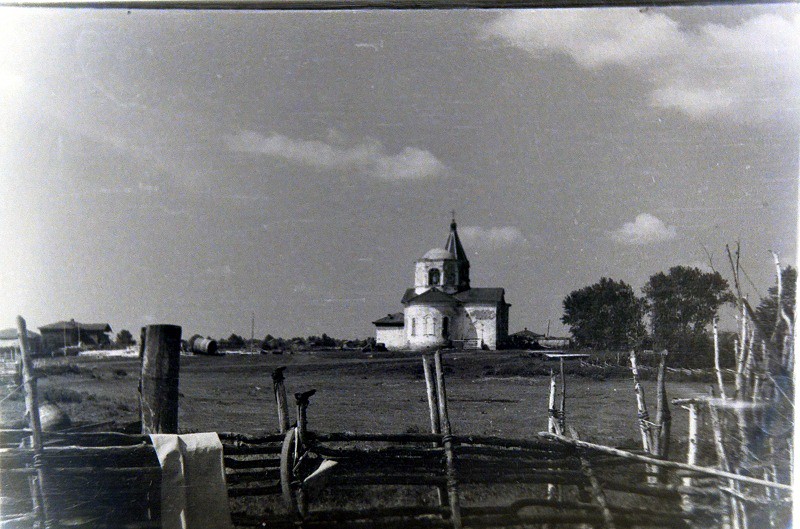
<point x="681" y="305"/>
<point x="271" y="343"/>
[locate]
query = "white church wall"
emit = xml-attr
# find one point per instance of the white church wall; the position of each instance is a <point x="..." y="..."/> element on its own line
<point x="422" y="335"/>
<point x="481" y="323"/>
<point x="391" y="337"/>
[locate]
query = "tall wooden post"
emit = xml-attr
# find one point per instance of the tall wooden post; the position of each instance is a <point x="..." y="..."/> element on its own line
<point x="159" y="379"/>
<point x="300" y="446"/>
<point x="302" y="400"/>
<point x="447" y="441"/>
<point x="279" y="389"/>
<point x="553" y="425"/>
<point x="32" y="410"/>
<point x="562" y="415"/>
<point x="644" y="417"/>
<point x="663" y="415"/>
<point x="433" y="406"/>
<point x="691" y="451"/>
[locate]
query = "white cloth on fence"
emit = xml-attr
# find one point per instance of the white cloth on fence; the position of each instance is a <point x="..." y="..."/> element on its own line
<point x="193" y="491"/>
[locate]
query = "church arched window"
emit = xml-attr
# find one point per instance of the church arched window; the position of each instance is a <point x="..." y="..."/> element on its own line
<point x="434" y="276"/>
<point x="413" y="326"/>
<point x="429" y="326"/>
<point x="445" y="327"/>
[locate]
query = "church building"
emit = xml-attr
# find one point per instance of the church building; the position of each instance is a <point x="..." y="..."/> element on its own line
<point x="442" y="310"/>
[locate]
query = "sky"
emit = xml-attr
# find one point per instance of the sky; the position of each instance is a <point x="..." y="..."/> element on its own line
<point x="195" y="168"/>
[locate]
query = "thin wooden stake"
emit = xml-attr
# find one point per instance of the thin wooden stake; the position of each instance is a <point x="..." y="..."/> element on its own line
<point x="32" y="410"/>
<point x="667" y="464"/>
<point x="597" y="491"/>
<point x="553" y="424"/>
<point x="279" y="389"/>
<point x="663" y="415"/>
<point x="562" y="415"/>
<point x="433" y="406"/>
<point x="717" y="367"/>
<point x="691" y="452"/>
<point x="641" y="406"/>
<point x="722" y="459"/>
<point x="447" y="441"/>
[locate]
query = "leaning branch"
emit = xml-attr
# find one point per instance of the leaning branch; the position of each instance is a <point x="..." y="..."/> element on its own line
<point x="662" y="463"/>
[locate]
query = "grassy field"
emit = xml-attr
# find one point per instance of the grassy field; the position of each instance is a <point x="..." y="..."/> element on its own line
<point x="495" y="393"/>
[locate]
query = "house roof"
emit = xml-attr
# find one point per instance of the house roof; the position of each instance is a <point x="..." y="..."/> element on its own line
<point x="528" y="334"/>
<point x="12" y="334"/>
<point x="72" y="324"/>
<point x="390" y="320"/>
<point x="481" y="295"/>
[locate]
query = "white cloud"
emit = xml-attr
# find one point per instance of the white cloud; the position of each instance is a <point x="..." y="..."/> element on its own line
<point x="593" y="38"/>
<point x="369" y="157"/>
<point x="497" y="236"/>
<point x="645" y="229"/>
<point x="748" y="72"/>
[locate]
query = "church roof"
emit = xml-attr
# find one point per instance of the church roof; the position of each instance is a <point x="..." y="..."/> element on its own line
<point x="431" y="296"/>
<point x="438" y="254"/>
<point x="481" y="295"/>
<point x="390" y="320"/>
<point x="453" y="244"/>
<point x="410" y="293"/>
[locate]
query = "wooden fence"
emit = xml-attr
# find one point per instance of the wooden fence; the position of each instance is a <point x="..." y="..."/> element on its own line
<point x="438" y="479"/>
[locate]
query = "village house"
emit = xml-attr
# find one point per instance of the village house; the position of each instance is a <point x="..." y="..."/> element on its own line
<point x="442" y="309"/>
<point x="9" y="341"/>
<point x="72" y="333"/>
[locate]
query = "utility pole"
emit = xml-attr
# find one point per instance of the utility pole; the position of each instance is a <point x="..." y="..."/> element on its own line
<point x="252" y="329"/>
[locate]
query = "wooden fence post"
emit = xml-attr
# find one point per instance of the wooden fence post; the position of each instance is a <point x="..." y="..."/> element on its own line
<point x="597" y="490"/>
<point x="159" y="379"/>
<point x="447" y="441"/>
<point x="641" y="406"/>
<point x="691" y="452"/>
<point x="279" y="389"/>
<point x="663" y="415"/>
<point x="562" y="416"/>
<point x="553" y="426"/>
<point x="433" y="406"/>
<point x="301" y="439"/>
<point x="32" y="410"/>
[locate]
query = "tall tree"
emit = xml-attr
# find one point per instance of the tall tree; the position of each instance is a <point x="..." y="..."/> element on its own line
<point x="682" y="304"/>
<point x="767" y="312"/>
<point x="606" y="315"/>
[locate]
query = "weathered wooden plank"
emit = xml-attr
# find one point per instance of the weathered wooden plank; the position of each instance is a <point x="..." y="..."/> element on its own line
<point x="250" y="463"/>
<point x="264" y="490"/>
<point x="238" y="478"/>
